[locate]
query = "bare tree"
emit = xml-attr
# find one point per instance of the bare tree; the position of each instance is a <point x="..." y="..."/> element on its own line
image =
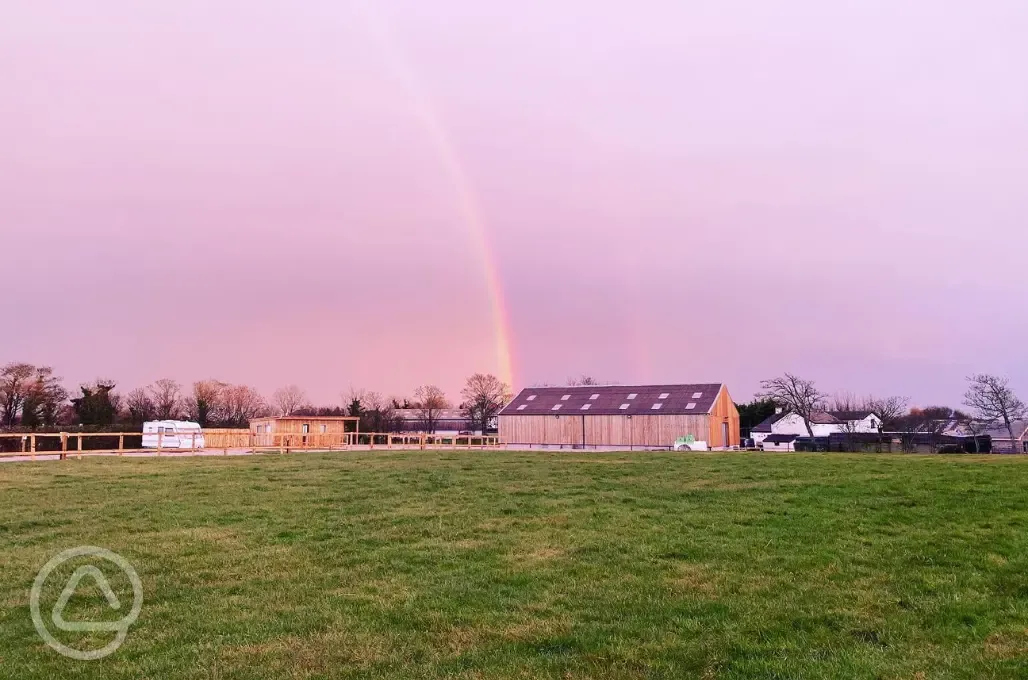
<point x="166" y="395"/>
<point x="976" y="428"/>
<point x="242" y="404"/>
<point x="43" y="399"/>
<point x="888" y="409"/>
<point x="288" y="399"/>
<point x="16" y="381"/>
<point x="796" y="395"/>
<point x="206" y="405"/>
<point x="484" y="397"/>
<point x="993" y="401"/>
<point x="430" y="400"/>
<point x="140" y="406"/>
<point x="582" y="381"/>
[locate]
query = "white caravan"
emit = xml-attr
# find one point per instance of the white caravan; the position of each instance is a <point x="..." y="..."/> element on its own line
<point x="172" y="434"/>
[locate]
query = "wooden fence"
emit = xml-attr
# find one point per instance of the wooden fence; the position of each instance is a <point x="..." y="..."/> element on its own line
<point x="65" y="444"/>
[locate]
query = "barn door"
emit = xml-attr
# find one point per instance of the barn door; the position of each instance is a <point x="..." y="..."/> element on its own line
<point x="724" y="435"/>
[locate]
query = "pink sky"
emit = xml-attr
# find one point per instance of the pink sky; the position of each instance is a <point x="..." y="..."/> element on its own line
<point x="672" y="190"/>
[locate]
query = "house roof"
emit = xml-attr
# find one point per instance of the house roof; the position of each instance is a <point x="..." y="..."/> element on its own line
<point x="307" y="418"/>
<point x="851" y="415"/>
<point x="624" y="400"/>
<point x="999" y="430"/>
<point x="781" y="438"/>
<point x="817" y="418"/>
<point x="765" y="425"/>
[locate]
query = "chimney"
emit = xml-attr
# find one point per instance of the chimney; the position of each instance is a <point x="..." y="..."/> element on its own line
<point x="778" y="410"/>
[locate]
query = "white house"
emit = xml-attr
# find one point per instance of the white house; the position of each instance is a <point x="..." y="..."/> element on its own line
<point x="823" y="424"/>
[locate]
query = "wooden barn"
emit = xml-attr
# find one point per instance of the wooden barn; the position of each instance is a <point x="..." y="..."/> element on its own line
<point x="264" y="429"/>
<point x="621" y="416"/>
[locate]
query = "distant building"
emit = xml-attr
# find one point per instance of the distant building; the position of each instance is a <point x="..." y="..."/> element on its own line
<point x="823" y="424"/>
<point x="644" y="416"/>
<point x="266" y="429"/>
<point x="448" y="421"/>
<point x="1001" y="442"/>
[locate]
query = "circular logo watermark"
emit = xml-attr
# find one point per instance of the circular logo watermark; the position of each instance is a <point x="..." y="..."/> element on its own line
<point x="120" y="628"/>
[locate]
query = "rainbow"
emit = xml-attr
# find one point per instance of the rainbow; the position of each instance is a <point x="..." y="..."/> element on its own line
<point x="466" y="203"/>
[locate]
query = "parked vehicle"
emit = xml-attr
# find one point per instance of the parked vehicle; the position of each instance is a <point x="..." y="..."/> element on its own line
<point x="172" y="434"/>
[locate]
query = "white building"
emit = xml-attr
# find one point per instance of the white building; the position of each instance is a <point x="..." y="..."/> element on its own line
<point x="823" y="424"/>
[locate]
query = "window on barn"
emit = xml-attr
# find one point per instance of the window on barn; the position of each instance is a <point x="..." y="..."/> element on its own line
<point x="565" y="397"/>
<point x="594" y="397"/>
<point x="522" y="407"/>
<point x="697" y="395"/>
<point x="656" y="407"/>
<point x="624" y="407"/>
<point x="663" y="395"/>
<point x="557" y="407"/>
<point x="530" y="397"/>
<point x="690" y="406"/>
<point x="586" y="407"/>
<point x="633" y="395"/>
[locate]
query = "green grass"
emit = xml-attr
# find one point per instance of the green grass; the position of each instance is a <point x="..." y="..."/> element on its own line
<point x="534" y="565"/>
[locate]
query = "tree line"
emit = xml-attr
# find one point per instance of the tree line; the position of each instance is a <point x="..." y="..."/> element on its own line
<point x="34" y="398"/>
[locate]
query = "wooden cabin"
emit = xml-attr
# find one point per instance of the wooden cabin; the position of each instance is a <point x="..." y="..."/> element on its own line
<point x="643" y="416"/>
<point x="325" y="429"/>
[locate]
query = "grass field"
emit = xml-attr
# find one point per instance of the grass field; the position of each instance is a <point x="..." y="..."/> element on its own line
<point x="535" y="565"/>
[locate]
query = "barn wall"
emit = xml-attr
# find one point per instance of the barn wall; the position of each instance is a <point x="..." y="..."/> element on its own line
<point x="604" y="430"/>
<point x="724" y="411"/>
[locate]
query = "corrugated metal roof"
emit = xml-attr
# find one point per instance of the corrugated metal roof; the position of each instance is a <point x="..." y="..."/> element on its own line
<point x="610" y="399"/>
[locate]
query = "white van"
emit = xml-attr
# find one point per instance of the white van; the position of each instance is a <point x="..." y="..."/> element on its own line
<point x="172" y="434"/>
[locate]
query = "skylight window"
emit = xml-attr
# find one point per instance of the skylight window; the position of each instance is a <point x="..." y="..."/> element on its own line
<point x="663" y="395"/>
<point x="586" y="407"/>
<point x="595" y="397"/>
<point x="690" y="406"/>
<point x="697" y="395"/>
<point x="522" y="407"/>
<point x="633" y="395"/>
<point x="656" y="407"/>
<point x="624" y="407"/>
<point x="565" y="397"/>
<point x="530" y="397"/>
<point x="557" y="407"/>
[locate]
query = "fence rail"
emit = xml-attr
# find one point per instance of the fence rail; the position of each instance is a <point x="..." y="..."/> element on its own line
<point x="65" y="444"/>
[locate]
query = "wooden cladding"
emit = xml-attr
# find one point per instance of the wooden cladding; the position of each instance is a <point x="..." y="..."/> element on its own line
<point x="656" y="430"/>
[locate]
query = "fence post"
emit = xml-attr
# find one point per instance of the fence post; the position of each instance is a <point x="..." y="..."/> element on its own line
<point x="192" y="442"/>
<point x="121" y="444"/>
<point x="160" y="442"/>
<point x="32" y="446"/>
<point x="64" y="445"/>
<point x="80" y="445"/>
